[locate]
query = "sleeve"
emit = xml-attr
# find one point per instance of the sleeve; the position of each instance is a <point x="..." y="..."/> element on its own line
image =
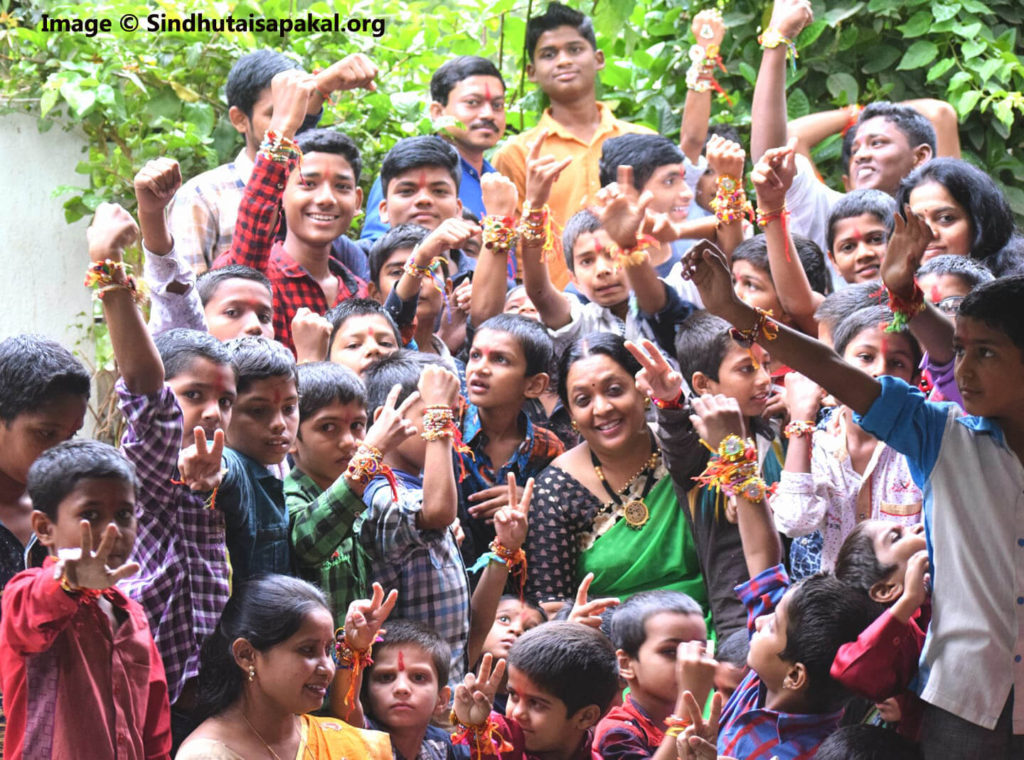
<point x="762" y="593"/>
<point x="174" y="301"/>
<point x="157" y="733"/>
<point x="680" y="445"/>
<point x="882" y="661"/>
<point x="352" y="257"/>
<point x="550" y="548"/>
<point x="802" y="499"/>
<point x="194" y="227"/>
<point x="902" y="418"/>
<point x="580" y="324"/>
<point x="319" y="526"/>
<point x="403" y="312"/>
<point x="390" y="526"/>
<point x="620" y="743"/>
<point x="151" y="441"/>
<point x="35" y="611"/>
<point x="258" y="215"/>
<point x="809" y="202"/>
<point x="373" y="227"/>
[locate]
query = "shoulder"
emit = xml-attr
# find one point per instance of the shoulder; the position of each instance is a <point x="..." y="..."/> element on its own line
<point x="208" y="742"/>
<point x="369" y="743"/>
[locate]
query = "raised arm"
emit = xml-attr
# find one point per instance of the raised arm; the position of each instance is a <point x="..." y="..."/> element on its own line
<point x="706" y="266"/>
<point x="438" y="387"/>
<point x="352" y="72"/>
<point x="490" y="280"/>
<point x="708" y="33"/>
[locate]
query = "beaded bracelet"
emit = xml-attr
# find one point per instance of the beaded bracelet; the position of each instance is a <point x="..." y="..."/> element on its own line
<point x="772" y="38"/>
<point x="764" y="218"/>
<point x="905" y="309"/>
<point x="485" y="737"/>
<point x="636" y="255"/>
<point x="798" y="429"/>
<point x="438" y="422"/>
<point x="499" y="233"/>
<point x="730" y="202"/>
<point x="278" y="148"/>
<point x="765" y="327"/>
<point x="366" y="464"/>
<point x="677" y="403"/>
<point x="107" y="275"/>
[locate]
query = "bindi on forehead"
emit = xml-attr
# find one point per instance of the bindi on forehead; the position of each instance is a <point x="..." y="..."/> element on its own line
<point x="401" y="661"/>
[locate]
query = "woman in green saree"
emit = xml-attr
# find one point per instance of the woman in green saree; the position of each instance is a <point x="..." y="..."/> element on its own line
<point x="608" y="505"/>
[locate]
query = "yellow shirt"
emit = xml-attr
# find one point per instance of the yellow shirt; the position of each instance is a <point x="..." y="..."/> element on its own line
<point x="578" y="183"/>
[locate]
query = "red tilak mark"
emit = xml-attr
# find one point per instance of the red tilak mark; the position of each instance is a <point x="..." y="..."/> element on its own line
<point x="484" y="351"/>
<point x="401" y="661"/>
<point x="885" y="346"/>
<point x="487" y="91"/>
<point x="857" y="236"/>
<point x="423" y="180"/>
<point x="277" y="397"/>
<point x="936" y="296"/>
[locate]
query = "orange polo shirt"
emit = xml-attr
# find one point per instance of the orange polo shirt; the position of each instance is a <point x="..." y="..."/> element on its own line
<point x="580" y="180"/>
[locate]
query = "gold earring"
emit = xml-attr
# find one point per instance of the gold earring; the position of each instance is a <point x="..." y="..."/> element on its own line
<point x="647" y="402"/>
<point x="252" y="674"/>
<point x="575" y="426"/>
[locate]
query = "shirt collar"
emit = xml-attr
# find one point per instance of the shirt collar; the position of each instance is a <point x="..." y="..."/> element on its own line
<point x="985" y="425"/>
<point x="256" y="469"/>
<point x="468" y="168"/>
<point x="471" y="428"/>
<point x="243" y="164"/>
<point x="554" y="128"/>
<point x="290" y="268"/>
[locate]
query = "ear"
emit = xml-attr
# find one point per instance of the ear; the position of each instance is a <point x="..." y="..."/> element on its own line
<point x="887" y="591"/>
<point x="846" y="183"/>
<point x="238" y="119"/>
<point x="922" y="153"/>
<point x="701" y="383"/>
<point x="44" y="530"/>
<point x="435" y="110"/>
<point x="244" y="653"/>
<point x="599" y="57"/>
<point x="586" y="717"/>
<point x="382" y="210"/>
<point x="796" y="678"/>
<point x="444" y="697"/>
<point x="374" y="292"/>
<point x="531" y="73"/>
<point x="359" y="198"/>
<point x="625" y="665"/>
<point x="536" y="385"/>
<point x="458" y="213"/>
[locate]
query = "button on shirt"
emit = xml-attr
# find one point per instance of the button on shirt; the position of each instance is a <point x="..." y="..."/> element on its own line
<point x="973" y="486"/>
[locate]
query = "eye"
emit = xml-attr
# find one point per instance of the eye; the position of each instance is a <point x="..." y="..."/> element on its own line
<point x="231" y="313"/>
<point x="266" y="317"/>
<point x="328" y="427"/>
<point x="420" y="677"/>
<point x="227" y="402"/>
<point x="358" y="427"/>
<point x="504" y="619"/>
<point x="290" y="409"/>
<point x="192" y="395"/>
<point x="383" y="677"/>
<point x="865" y="357"/>
<point x="125" y="516"/>
<point x="47" y="435"/>
<point x="474" y="354"/>
<point x="581" y="401"/>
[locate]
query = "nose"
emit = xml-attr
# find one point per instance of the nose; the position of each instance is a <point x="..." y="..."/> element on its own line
<point x="212" y="411"/>
<point x="604" y="264"/>
<point x="517" y="710"/>
<point x="277" y="424"/>
<point x="401" y="685"/>
<point x="917" y="529"/>
<point x="324" y="194"/>
<point x="371" y="348"/>
<point x="486" y="110"/>
<point x="877" y="366"/>
<point x="601" y="403"/>
<point x="517" y="626"/>
<point x="423" y="197"/>
<point x="251" y="324"/>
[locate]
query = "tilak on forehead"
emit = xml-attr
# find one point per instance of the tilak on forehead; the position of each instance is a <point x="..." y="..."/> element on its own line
<point x="487" y="91"/>
<point x="401" y="661"/>
<point x="423" y="180"/>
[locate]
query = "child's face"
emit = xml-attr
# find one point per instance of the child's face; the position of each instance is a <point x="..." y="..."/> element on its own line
<point x="707" y="188"/>
<point x="880" y="156"/>
<point x="206" y="391"/>
<point x="328" y="439"/>
<point x="240" y="307"/>
<point x="564" y="64"/>
<point x="743" y="375"/>
<point x="414" y="449"/>
<point x="544" y="718"/>
<point x="858" y="247"/>
<point x="425" y="196"/>
<point x="29" y="434"/>
<point x="320" y="199"/>
<point x="880" y="353"/>
<point x="755" y="288"/>
<point x="265" y="419"/>
<point x="768" y="643"/>
<point x="946" y="291"/>
<point x="594" y="271"/>
<point x="361" y="340"/>
<point x="430" y="298"/>
<point x="654" y="667"/>
<point x="403" y="689"/>
<point x="496" y="371"/>
<point x="101" y="501"/>
<point x="672" y="195"/>
<point x="255" y="127"/>
<point x="519" y="303"/>
<point x="989" y="370"/>
<point x="949" y="221"/>
<point x="512" y="620"/>
<point x="895" y="543"/>
<point x="296" y="673"/>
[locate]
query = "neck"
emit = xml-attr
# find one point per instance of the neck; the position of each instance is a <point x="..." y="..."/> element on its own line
<point x="1014" y="433"/>
<point x="11" y="490"/>
<point x="312" y="258"/>
<point x="855" y="434"/>
<point x="657" y="709"/>
<point x="269" y="723"/>
<point x="624" y="463"/>
<point x="577" y="112"/>
<point x="788" y="701"/>
<point x="500" y="422"/>
<point x="396" y="461"/>
<point x="424" y="335"/>
<point x="474" y="156"/>
<point x="620" y="310"/>
<point x="251" y="151"/>
<point x="408" y="741"/>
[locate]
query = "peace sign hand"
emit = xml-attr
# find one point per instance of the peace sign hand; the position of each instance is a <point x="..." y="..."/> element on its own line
<point x="510" y="522"/>
<point x="657" y="379"/>
<point x="392" y="425"/>
<point x="589" y="613"/>
<point x="201" y="467"/>
<point x="365" y="617"/>
<point x="475" y="695"/>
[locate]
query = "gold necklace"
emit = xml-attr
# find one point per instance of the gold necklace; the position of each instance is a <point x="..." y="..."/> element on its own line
<point x="635" y="512"/>
<point x="266" y="744"/>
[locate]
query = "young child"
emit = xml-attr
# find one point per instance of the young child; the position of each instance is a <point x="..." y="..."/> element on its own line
<point x="508" y="364"/>
<point x="562" y="677"/>
<point x="840" y="475"/>
<point x="968" y="463"/>
<point x="68" y="624"/>
<point x="44" y="391"/>
<point x="648" y="630"/>
<point x="362" y="331"/>
<point x="323" y="491"/>
<point x="319" y="200"/>
<point x="237" y="300"/>
<point x="513" y="618"/>
<point x="859" y="227"/>
<point x="264" y="422"/>
<point x="946" y="280"/>
<point x="842" y="303"/>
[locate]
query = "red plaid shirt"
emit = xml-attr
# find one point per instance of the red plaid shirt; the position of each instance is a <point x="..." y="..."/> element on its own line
<point x="253" y="245"/>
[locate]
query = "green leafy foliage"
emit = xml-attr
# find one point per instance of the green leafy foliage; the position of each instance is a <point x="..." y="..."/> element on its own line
<point x="144" y="94"/>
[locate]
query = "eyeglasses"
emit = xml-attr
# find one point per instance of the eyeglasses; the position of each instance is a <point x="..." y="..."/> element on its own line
<point x="950" y="305"/>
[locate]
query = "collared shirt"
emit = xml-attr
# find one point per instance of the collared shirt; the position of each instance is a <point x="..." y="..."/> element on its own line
<point x="323" y="539"/>
<point x="973" y="486"/>
<point x="535" y="452"/>
<point x="424" y="565"/>
<point x="750" y="730"/>
<point x="182" y="581"/>
<point x="174" y="301"/>
<point x="253" y="245"/>
<point x="627" y="733"/>
<point x="469" y="193"/>
<point x="252" y="500"/>
<point x="810" y="202"/>
<point x="834" y="498"/>
<point x="579" y="181"/>
<point x="75" y="685"/>
<point x="204" y="210"/>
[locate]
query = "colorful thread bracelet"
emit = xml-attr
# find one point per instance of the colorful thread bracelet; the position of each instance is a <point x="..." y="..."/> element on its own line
<point x="765" y="327"/>
<point x="438" y="422"/>
<point x="733" y="470"/>
<point x="485" y="738"/>
<point x="278" y="148"/>
<point x="499" y="233"/>
<point x="366" y="464"/>
<point x="730" y="202"/>
<point x="514" y="559"/>
<point x="799" y="429"/>
<point x="764" y="218"/>
<point x="347" y="658"/>
<point x="663" y="404"/>
<point x="85" y="595"/>
<point x="635" y="256"/>
<point x="905" y="309"/>
<point x="102" y="276"/>
<point x="773" y="38"/>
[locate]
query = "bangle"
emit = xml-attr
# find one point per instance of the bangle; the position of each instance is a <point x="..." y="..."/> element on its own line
<point x="675" y="721"/>
<point x="278" y="148"/>
<point x="765" y="327"/>
<point x="483" y="738"/>
<point x="677" y="403"/>
<point x="499" y="234"/>
<point x="636" y="255"/>
<point x="799" y="429"/>
<point x="730" y="202"/>
<point x="772" y="38"/>
<point x="536" y="228"/>
<point x="905" y="309"/>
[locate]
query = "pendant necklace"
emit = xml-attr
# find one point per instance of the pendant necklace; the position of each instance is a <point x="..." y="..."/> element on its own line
<point x="635" y="511"/>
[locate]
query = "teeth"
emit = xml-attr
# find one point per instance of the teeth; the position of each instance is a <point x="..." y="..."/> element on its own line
<point x="323" y="217"/>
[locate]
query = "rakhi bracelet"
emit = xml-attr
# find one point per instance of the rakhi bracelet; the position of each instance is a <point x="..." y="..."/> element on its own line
<point x="365" y="464"/>
<point x="733" y="470"/>
<point x="764" y="218"/>
<point x="514" y="559"/>
<point x="773" y="38"/>
<point x="663" y="404"/>
<point x="765" y="327"/>
<point x="730" y="202"/>
<point x="485" y="738"/>
<point x="438" y="423"/>
<point x="348" y="658"/>
<point x="107" y="275"/>
<point x="85" y="595"/>
<point x="414" y="270"/>
<point x="636" y="255"/>
<point x="676" y="721"/>
<point x="278" y="148"/>
<point x="499" y="233"/>
<point x="534" y="226"/>
<point x="905" y="309"/>
<point x="799" y="429"/>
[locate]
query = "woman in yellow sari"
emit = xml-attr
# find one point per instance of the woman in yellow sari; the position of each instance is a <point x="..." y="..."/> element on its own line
<point x="268" y="665"/>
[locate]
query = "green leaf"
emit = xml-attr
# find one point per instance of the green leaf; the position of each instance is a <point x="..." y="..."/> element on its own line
<point x="940" y="68"/>
<point x="1004" y="112"/>
<point x="945" y="12"/>
<point x="810" y="35"/>
<point x="836" y="15"/>
<point x="968" y="30"/>
<point x="920" y="54"/>
<point x="797" y="104"/>
<point x="47" y="101"/>
<point x="918" y="24"/>
<point x="80" y="100"/>
<point x="883" y="58"/>
<point x="972" y="48"/>
<point x="843" y="87"/>
<point x="967" y="101"/>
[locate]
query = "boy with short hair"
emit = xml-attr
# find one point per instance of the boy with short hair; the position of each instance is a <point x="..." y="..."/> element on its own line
<point x="508" y="364"/>
<point x="648" y="630"/>
<point x="562" y="677"/>
<point x="842" y="303"/>
<point x="859" y="227"/>
<point x="319" y="198"/>
<point x="970" y="464"/>
<point x="563" y="63"/>
<point x="946" y="280"/>
<point x="362" y="331"/>
<point x="81" y="672"/>
<point x="264" y="421"/>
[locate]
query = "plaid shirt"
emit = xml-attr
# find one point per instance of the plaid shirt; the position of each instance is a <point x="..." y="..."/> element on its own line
<point x="253" y="245"/>
<point x="323" y="540"/>
<point x="627" y="733"/>
<point x="424" y="565"/>
<point x="535" y="452"/>
<point x="182" y="582"/>
<point x="748" y="729"/>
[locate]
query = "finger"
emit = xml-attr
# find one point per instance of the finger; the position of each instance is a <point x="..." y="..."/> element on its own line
<point x="218" y="445"/>
<point x="125" y="570"/>
<point x="624" y="176"/>
<point x="485" y="668"/>
<point x="537" y="144"/>
<point x="392" y="398"/>
<point x="640" y="355"/>
<point x="598" y="606"/>
<point x="389" y="604"/>
<point x="85" y="538"/>
<point x="413" y="398"/>
<point x="527" y="499"/>
<point x="200" y="435"/>
<point x="716" y="711"/>
<point x="657" y="358"/>
<point x="489" y="493"/>
<point x="106" y="542"/>
<point x="494" y="682"/>
<point x="584" y="589"/>
<point x="513" y="494"/>
<point x="377" y="597"/>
